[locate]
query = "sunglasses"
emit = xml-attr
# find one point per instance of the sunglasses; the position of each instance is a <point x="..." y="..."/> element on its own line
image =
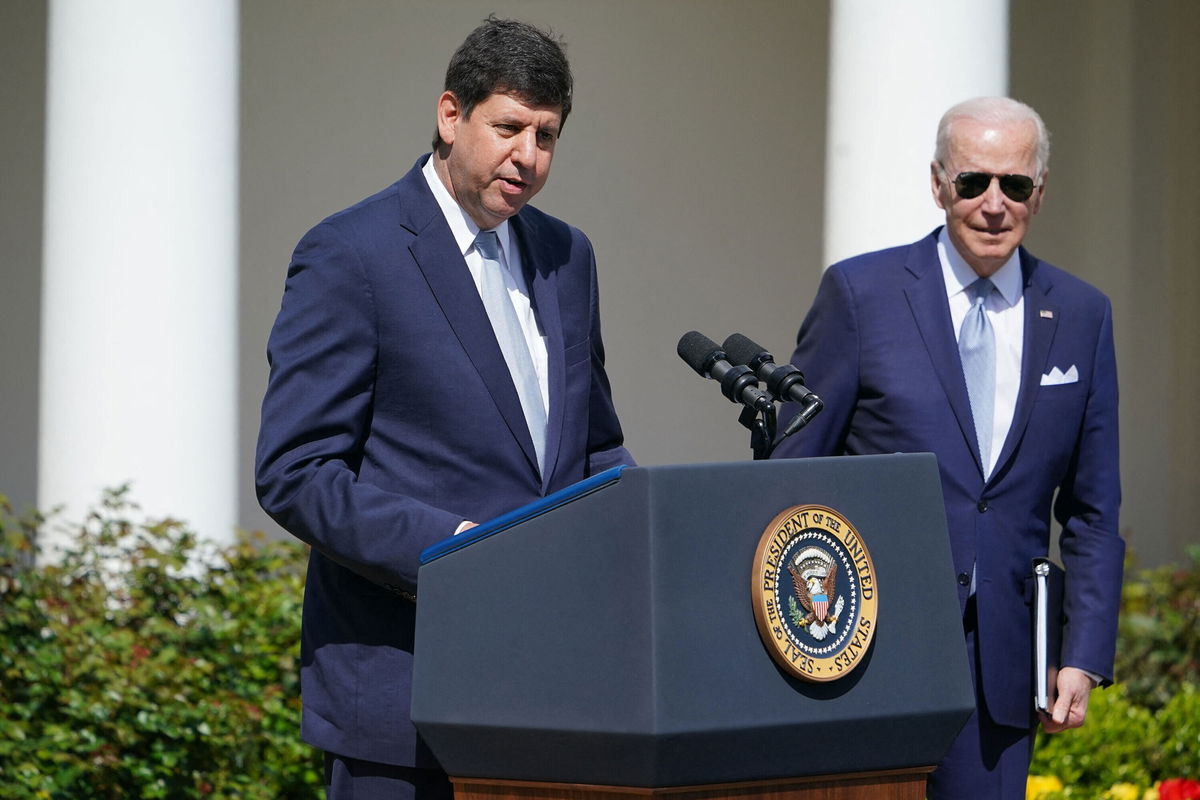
<point x="972" y="184"/>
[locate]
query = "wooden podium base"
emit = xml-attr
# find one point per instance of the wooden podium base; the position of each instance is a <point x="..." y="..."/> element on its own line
<point x="906" y="784"/>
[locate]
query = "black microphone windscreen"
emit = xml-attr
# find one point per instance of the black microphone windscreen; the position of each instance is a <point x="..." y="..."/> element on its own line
<point x="696" y="349"/>
<point x="743" y="350"/>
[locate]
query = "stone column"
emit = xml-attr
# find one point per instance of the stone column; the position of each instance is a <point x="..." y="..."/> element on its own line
<point x="139" y="315"/>
<point x="894" y="68"/>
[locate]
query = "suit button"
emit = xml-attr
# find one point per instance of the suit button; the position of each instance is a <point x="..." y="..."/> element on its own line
<point x="964" y="579"/>
<point x="983" y="506"/>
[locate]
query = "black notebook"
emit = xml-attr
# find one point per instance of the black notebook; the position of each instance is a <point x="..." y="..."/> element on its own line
<point x="1047" y="628"/>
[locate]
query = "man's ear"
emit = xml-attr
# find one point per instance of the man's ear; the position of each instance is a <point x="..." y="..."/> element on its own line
<point x="1035" y="202"/>
<point x="449" y="112"/>
<point x="935" y="185"/>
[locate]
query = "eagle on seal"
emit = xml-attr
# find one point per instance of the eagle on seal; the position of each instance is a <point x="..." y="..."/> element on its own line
<point x="814" y="580"/>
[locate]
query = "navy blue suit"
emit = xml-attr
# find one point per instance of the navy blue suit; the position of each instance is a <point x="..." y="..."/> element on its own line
<point x="390" y="417"/>
<point x="879" y="348"/>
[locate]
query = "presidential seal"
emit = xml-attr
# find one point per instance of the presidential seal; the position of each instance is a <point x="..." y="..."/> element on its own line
<point x="815" y="593"/>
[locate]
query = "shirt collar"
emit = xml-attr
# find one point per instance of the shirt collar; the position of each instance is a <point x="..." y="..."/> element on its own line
<point x="958" y="274"/>
<point x="461" y="225"/>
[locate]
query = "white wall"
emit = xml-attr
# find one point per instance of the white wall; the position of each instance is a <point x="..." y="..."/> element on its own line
<point x="696" y="122"/>
<point x="693" y="158"/>
<point x="1117" y="87"/>
<point x="22" y="120"/>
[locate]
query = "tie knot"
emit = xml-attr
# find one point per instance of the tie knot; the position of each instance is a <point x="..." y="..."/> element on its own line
<point x="980" y="289"/>
<point x="488" y="245"/>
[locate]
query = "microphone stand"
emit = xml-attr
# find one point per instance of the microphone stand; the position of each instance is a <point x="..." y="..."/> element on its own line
<point x="761" y="425"/>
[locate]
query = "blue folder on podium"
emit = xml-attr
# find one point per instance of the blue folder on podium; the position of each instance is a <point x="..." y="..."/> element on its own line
<point x="522" y="514"/>
<point x="606" y="634"/>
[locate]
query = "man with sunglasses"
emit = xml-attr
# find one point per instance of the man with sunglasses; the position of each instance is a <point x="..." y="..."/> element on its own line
<point x="966" y="345"/>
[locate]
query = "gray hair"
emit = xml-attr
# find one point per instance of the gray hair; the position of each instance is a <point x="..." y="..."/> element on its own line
<point x="998" y="110"/>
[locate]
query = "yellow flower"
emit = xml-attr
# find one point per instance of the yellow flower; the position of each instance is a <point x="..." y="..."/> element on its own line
<point x="1123" y="791"/>
<point x="1151" y="793"/>
<point x="1039" y="786"/>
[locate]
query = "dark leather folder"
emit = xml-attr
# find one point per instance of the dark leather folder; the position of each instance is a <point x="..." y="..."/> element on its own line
<point x="1047" y="629"/>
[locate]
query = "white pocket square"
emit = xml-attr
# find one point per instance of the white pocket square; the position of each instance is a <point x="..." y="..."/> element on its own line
<point x="1056" y="377"/>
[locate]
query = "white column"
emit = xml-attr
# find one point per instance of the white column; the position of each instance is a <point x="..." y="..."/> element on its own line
<point x="894" y="68"/>
<point x="139" y="318"/>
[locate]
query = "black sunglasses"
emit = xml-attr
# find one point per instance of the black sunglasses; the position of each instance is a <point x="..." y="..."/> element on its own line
<point x="972" y="184"/>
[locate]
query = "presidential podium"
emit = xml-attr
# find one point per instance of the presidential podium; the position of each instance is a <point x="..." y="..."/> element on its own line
<point x="603" y="642"/>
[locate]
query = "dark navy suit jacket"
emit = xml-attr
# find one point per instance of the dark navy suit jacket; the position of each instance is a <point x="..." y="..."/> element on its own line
<point x="879" y="348"/>
<point x="390" y="417"/>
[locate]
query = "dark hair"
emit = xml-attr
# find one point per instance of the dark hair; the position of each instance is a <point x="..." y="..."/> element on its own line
<point x="509" y="57"/>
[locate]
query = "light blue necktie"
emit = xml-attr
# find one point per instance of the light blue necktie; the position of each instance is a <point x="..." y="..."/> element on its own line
<point x="977" y="348"/>
<point x="511" y="338"/>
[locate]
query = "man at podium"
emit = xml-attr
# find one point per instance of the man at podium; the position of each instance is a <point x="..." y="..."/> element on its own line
<point x="966" y="345"/>
<point x="436" y="361"/>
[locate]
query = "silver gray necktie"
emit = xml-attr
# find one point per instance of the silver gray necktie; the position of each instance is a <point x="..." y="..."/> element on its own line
<point x="977" y="348"/>
<point x="511" y="338"/>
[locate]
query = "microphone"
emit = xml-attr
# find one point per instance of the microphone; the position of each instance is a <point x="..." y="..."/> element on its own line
<point x="738" y="383"/>
<point x="783" y="381"/>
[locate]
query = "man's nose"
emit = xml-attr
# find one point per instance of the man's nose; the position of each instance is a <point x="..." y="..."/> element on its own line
<point x="993" y="198"/>
<point x="524" y="148"/>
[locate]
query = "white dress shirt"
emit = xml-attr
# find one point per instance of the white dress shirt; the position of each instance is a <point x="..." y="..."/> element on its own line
<point x="1005" y="309"/>
<point x="465" y="230"/>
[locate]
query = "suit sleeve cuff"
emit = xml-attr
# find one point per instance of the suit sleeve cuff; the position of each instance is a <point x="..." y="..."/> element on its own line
<point x="1097" y="679"/>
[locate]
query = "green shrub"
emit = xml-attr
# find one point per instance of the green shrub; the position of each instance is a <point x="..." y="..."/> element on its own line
<point x="1159" y="632"/>
<point x="1146" y="728"/>
<point x="1122" y="742"/>
<point x="1110" y="748"/>
<point x="1177" y="753"/>
<point x="146" y="664"/>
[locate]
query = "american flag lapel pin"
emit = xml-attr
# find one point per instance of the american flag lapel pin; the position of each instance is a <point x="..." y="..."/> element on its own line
<point x="1046" y="313"/>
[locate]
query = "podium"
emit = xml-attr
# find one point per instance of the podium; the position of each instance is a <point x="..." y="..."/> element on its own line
<point x="603" y="643"/>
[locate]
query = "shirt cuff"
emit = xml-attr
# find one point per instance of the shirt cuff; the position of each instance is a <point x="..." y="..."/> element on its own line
<point x="1096" y="679"/>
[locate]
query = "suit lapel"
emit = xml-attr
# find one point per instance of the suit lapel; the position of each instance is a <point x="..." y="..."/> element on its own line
<point x="931" y="312"/>
<point x="437" y="256"/>
<point x="541" y="275"/>
<point x="1041" y="323"/>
